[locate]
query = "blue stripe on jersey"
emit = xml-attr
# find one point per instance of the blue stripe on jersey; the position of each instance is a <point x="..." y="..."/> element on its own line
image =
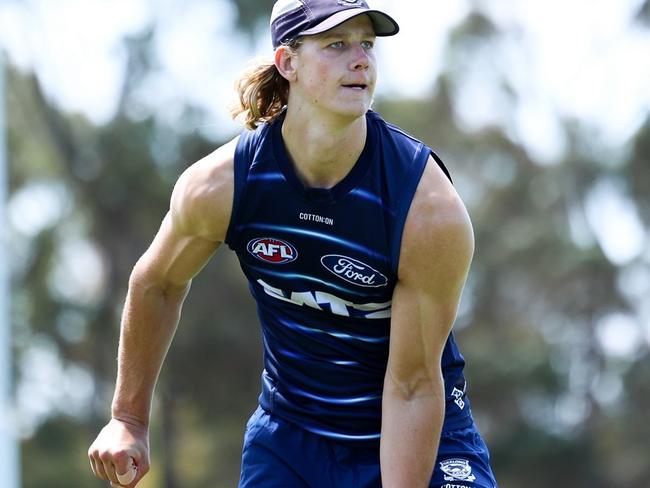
<point x="345" y="363"/>
<point x="342" y="437"/>
<point x="371" y="197"/>
<point x="266" y="177"/>
<point x="298" y="276"/>
<point x="304" y="357"/>
<point x="314" y="234"/>
<point x="338" y="335"/>
<point x="335" y="401"/>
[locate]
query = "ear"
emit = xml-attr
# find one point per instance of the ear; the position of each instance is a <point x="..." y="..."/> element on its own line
<point x="285" y="62"/>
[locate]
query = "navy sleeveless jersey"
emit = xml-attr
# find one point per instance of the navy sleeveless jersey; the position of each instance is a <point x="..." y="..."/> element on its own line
<point x="322" y="266"/>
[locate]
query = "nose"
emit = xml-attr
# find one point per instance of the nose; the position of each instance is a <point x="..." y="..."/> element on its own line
<point x="360" y="58"/>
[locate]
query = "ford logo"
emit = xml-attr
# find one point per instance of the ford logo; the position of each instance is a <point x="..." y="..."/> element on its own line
<point x="353" y="271"/>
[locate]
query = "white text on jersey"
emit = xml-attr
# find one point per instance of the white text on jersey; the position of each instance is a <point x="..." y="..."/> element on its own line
<point x="338" y="306"/>
<point x="316" y="218"/>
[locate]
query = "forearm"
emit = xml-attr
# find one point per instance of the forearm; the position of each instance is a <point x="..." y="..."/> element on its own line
<point x="410" y="434"/>
<point x="149" y="321"/>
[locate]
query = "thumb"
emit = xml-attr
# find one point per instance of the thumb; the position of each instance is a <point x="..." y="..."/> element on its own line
<point x="126" y="471"/>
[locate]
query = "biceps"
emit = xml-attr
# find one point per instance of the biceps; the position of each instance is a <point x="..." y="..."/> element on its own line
<point x="174" y="258"/>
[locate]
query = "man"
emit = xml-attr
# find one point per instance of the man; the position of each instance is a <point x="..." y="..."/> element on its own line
<point x="356" y="247"/>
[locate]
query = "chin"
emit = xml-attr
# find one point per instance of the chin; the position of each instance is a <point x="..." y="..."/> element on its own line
<point x="353" y="111"/>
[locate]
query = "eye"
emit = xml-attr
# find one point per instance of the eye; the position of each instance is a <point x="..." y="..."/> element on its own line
<point x="337" y="45"/>
<point x="367" y="45"/>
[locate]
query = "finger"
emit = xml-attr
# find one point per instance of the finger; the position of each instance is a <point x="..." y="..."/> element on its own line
<point x="108" y="467"/>
<point x="92" y="463"/>
<point x="98" y="466"/>
<point x="110" y="471"/>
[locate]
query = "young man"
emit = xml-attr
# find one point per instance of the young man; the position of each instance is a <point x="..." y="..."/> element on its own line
<point x="356" y="247"/>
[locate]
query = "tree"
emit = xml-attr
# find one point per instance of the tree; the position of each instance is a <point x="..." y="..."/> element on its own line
<point x="548" y="394"/>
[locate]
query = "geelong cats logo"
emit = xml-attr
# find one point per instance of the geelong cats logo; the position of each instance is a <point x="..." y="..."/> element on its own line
<point x="271" y="250"/>
<point x="457" y="469"/>
<point x="353" y="271"/>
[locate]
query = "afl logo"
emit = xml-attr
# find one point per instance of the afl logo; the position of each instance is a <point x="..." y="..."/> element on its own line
<point x="272" y="250"/>
<point x="353" y="271"/>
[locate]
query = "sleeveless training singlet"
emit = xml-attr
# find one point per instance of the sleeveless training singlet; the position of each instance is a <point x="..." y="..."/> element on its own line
<point x="322" y="265"/>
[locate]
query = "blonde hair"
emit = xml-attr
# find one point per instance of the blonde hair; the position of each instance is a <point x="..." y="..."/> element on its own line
<point x="262" y="92"/>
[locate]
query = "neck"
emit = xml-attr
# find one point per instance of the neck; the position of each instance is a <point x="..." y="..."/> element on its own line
<point x="323" y="149"/>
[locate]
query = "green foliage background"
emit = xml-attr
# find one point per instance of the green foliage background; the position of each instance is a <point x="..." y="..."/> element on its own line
<point x="537" y="373"/>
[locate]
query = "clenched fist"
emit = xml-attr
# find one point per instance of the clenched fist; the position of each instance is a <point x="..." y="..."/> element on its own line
<point x="120" y="454"/>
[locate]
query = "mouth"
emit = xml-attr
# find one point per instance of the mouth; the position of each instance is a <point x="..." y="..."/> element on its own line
<point x="356" y="86"/>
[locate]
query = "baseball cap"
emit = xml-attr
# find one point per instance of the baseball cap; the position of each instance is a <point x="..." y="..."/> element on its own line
<point x="293" y="18"/>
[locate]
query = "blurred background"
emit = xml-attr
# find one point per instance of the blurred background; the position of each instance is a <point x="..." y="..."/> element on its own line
<point x="541" y="112"/>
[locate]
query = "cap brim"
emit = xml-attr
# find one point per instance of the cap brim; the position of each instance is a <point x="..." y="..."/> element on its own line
<point x="383" y="24"/>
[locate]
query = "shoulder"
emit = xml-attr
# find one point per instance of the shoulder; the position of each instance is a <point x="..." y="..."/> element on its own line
<point x="202" y="198"/>
<point x="404" y="146"/>
<point x="391" y="131"/>
<point x="438" y="240"/>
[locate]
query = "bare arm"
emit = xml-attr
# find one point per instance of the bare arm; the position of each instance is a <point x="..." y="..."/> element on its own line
<point x="436" y="252"/>
<point x="190" y="233"/>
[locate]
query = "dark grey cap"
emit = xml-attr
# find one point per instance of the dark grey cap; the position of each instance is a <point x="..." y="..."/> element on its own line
<point x="294" y="18"/>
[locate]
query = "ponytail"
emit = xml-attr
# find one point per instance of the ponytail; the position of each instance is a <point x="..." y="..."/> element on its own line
<point x="262" y="91"/>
